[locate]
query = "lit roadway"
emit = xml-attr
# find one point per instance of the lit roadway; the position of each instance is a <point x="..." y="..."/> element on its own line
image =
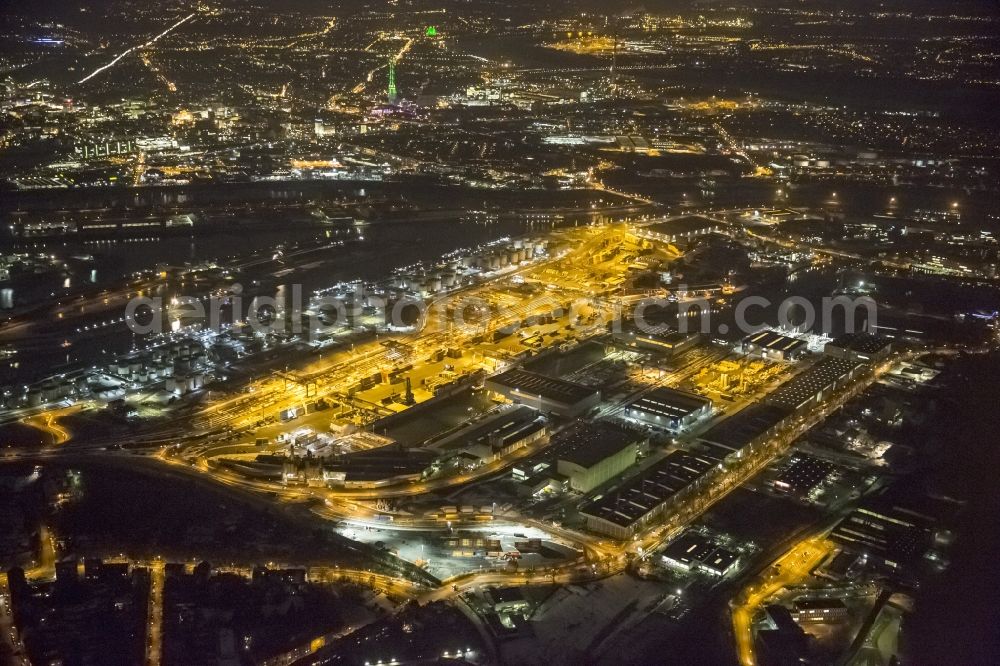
<point x="791" y="568"/>
<point x="8" y="639"/>
<point x="601" y="187"/>
<point x="829" y="251"/>
<point x="138" y="47"/>
<point x="378" y="582"/>
<point x="48" y="423"/>
<point x="154" y="634"/>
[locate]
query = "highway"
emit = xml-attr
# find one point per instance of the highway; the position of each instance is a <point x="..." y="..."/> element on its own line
<point x="138" y="47"/>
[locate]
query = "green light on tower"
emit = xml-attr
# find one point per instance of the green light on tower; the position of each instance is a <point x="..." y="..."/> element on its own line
<point x="392" y="82"/>
<point x="431" y="31"/>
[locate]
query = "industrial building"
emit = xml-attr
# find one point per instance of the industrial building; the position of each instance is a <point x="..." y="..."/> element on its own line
<point x="786" y="642"/>
<point x="670" y="343"/>
<point x="589" y="454"/>
<point x="669" y="408"/>
<point x="814" y="385"/>
<point x="774" y="346"/>
<point x="693" y="551"/>
<point x="687" y="550"/>
<point x="536" y="478"/>
<point x="860" y="347"/>
<point x="546" y="394"/>
<point x="508" y="600"/>
<point x="680" y="229"/>
<point x="472" y="544"/>
<point x="378" y="467"/>
<point x="819" y="609"/>
<point x="742" y="430"/>
<point x="497" y="436"/>
<point x="721" y="562"/>
<point x="886" y="532"/>
<point x="802" y="475"/>
<point x="623" y="511"/>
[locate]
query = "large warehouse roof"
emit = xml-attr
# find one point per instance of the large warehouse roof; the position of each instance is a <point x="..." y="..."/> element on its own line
<point x="588" y="443"/>
<point x="648" y="491"/>
<point x="670" y="403"/>
<point x="804" y="387"/>
<point x="862" y="343"/>
<point x="775" y="342"/>
<point x="744" y="427"/>
<point x="382" y="463"/>
<point x="530" y="383"/>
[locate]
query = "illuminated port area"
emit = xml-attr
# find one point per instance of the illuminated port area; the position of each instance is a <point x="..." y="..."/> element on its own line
<point x="498" y="333"/>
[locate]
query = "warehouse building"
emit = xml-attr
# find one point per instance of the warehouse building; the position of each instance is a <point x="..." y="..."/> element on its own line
<point x="693" y="551"/>
<point x="721" y="562"/>
<point x="590" y="454"/>
<point x="545" y="394"/>
<point x="669" y="343"/>
<point x="680" y="229"/>
<point x="860" y="348"/>
<point x="731" y="438"/>
<point x="687" y="550"/>
<point x="536" y="478"/>
<point x="887" y="533"/>
<point x="803" y="475"/>
<point x="774" y="346"/>
<point x="496" y="437"/>
<point x="814" y="385"/>
<point x="623" y="511"/>
<point x="383" y="466"/>
<point x="669" y="408"/>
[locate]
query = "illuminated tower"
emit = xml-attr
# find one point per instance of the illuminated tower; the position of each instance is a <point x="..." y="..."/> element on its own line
<point x="392" y="82"/>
